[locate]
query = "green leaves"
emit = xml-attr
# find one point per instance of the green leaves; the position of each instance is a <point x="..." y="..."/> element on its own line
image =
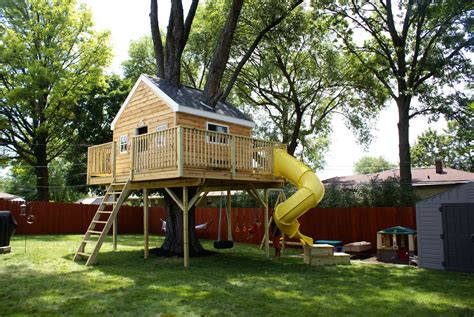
<point x="50" y="58"/>
<point x="370" y="165"/>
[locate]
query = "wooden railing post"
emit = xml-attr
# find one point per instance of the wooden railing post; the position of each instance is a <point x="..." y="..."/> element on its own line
<point x="233" y="159"/>
<point x="180" y="151"/>
<point x="132" y="157"/>
<point x="113" y="161"/>
<point x="89" y="160"/>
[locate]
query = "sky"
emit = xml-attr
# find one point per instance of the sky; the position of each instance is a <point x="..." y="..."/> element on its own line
<point x="128" y="20"/>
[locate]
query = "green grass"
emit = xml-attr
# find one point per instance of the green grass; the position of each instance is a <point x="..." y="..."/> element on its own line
<point x="240" y="281"/>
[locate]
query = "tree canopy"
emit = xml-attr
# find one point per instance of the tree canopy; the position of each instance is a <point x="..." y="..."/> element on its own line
<point x="414" y="48"/>
<point x="298" y="81"/>
<point x="454" y="147"/>
<point x="49" y="58"/>
<point x="371" y="165"/>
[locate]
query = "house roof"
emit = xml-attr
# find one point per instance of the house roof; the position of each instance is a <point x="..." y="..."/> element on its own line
<point x="421" y="176"/>
<point x="188" y="100"/>
<point x="398" y="230"/>
<point x="6" y="196"/>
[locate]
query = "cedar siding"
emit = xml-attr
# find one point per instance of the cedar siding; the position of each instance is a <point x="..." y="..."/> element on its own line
<point x="144" y="108"/>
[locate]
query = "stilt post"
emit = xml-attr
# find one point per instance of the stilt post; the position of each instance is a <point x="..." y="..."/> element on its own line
<point x="229" y="215"/>
<point x="146" y="222"/>
<point x="185" y="227"/>
<point x="267" y="241"/>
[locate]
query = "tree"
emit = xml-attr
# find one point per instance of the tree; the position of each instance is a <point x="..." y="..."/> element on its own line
<point x="49" y="59"/>
<point x="140" y="60"/>
<point x="92" y="126"/>
<point x="169" y="60"/>
<point x="454" y="148"/>
<point x="371" y="165"/>
<point x="299" y="80"/>
<point x="414" y="49"/>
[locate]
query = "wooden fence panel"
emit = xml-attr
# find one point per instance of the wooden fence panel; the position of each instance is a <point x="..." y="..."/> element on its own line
<point x="345" y="224"/>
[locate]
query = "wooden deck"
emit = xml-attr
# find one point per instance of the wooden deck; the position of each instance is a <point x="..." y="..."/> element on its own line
<point x="182" y="156"/>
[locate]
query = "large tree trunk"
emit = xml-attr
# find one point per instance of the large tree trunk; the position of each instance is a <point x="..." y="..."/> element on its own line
<point x="174" y="227"/>
<point x="41" y="172"/>
<point x="212" y="91"/>
<point x="174" y="43"/>
<point x="156" y="37"/>
<point x="403" y="104"/>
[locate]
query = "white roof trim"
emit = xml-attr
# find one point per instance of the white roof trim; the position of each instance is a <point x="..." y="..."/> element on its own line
<point x="178" y="108"/>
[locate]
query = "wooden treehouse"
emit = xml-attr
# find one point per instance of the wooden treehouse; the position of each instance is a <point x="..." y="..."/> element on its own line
<point x="166" y="137"/>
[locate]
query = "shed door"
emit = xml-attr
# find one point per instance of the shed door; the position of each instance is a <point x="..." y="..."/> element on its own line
<point x="458" y="230"/>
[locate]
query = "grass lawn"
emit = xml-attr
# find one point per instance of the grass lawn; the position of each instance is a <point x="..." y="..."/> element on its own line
<point x="239" y="281"/>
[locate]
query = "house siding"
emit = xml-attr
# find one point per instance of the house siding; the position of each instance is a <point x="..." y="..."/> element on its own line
<point x="198" y="122"/>
<point x="144" y="108"/>
<point x="430" y="225"/>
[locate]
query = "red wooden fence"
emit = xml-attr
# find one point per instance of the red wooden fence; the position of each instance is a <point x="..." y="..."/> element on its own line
<point x="345" y="224"/>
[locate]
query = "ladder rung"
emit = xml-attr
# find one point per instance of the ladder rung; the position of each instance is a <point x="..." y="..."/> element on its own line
<point x="94" y="232"/>
<point x="109" y="202"/>
<point x="99" y="221"/>
<point x="114" y="193"/>
<point x="84" y="254"/>
<point x="104" y="211"/>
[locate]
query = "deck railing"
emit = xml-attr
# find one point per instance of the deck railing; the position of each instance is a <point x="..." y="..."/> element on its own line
<point x="153" y="151"/>
<point x="187" y="148"/>
<point x="99" y="160"/>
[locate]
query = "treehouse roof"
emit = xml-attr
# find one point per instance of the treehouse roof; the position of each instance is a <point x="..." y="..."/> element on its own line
<point x="188" y="100"/>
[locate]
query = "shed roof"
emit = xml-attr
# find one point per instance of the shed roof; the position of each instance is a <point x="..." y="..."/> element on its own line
<point x="189" y="100"/>
<point x="421" y="176"/>
<point x="398" y="230"/>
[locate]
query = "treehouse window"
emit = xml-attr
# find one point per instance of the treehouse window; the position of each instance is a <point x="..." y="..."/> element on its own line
<point x="123" y="143"/>
<point x="161" y="139"/>
<point x="216" y="138"/>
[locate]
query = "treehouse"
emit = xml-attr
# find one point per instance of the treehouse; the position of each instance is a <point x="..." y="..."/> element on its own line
<point x="166" y="137"/>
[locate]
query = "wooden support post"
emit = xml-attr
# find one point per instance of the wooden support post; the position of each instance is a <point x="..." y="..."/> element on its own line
<point x="114" y="161"/>
<point x="394" y="241"/>
<point x="132" y="157"/>
<point x="146" y="223"/>
<point x="180" y="151"/>
<point x="229" y="215"/>
<point x="233" y="159"/>
<point x="89" y="161"/>
<point x="267" y="241"/>
<point x="185" y="227"/>
<point x="114" y="226"/>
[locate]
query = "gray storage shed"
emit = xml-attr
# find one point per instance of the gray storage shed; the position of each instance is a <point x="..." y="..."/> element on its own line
<point x="445" y="225"/>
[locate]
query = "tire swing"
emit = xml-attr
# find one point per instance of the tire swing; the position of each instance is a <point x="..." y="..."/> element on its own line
<point x="222" y="244"/>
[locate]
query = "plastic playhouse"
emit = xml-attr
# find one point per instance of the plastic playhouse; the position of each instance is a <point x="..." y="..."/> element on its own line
<point x="396" y="245"/>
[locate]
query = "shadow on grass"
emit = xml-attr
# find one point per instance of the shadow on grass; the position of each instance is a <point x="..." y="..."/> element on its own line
<point x="234" y="282"/>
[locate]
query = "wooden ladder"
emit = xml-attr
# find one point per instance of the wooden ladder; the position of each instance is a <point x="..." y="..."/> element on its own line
<point x="102" y="221"/>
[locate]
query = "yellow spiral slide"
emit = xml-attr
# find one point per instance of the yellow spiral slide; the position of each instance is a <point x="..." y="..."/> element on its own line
<point x="309" y="194"/>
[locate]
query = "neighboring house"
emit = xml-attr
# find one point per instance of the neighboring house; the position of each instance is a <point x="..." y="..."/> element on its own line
<point x="10" y="197"/>
<point x="427" y="181"/>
